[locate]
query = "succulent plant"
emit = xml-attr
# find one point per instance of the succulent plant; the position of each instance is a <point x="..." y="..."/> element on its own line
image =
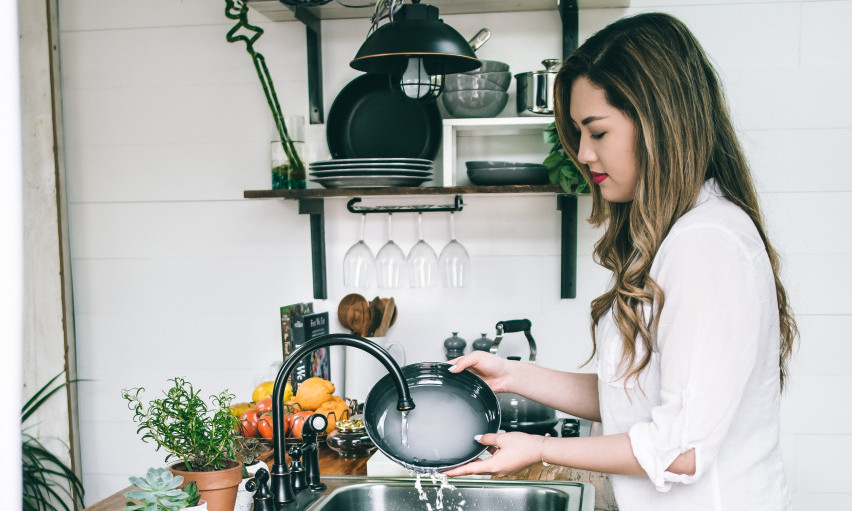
<point x="160" y="490"/>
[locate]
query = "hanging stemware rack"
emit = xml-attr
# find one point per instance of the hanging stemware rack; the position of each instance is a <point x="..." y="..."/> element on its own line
<point x="311" y="202"/>
<point x="353" y="207"/>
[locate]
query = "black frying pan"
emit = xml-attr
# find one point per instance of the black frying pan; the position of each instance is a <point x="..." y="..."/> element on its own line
<point x="449" y="410"/>
<point x="369" y="120"/>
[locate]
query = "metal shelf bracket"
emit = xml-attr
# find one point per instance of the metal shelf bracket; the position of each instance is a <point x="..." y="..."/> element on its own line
<point x="567" y="204"/>
<point x="569" y="13"/>
<point x="315" y="208"/>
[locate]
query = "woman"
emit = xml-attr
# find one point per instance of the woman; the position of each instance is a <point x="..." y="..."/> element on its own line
<point x="693" y="335"/>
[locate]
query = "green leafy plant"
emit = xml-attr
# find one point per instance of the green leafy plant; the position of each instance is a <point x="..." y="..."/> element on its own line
<point x="48" y="482"/>
<point x="160" y="490"/>
<point x="562" y="170"/>
<point x="181" y="422"/>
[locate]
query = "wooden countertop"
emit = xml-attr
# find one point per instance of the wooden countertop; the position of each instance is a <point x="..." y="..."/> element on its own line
<point x="332" y="464"/>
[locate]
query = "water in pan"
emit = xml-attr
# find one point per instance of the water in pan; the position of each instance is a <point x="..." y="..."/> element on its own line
<point x="440" y="428"/>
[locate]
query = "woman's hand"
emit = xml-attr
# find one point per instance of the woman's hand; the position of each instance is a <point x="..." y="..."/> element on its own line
<point x="494" y="370"/>
<point x="511" y="452"/>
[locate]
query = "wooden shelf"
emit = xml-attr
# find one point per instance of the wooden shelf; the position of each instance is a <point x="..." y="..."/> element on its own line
<point x="407" y="190"/>
<point x="276" y="11"/>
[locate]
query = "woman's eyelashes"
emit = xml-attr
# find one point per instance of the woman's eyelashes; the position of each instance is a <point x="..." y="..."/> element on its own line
<point x="597" y="136"/>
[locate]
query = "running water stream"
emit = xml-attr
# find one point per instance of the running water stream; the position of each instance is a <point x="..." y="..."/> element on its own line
<point x="404" y="428"/>
<point x="439" y="496"/>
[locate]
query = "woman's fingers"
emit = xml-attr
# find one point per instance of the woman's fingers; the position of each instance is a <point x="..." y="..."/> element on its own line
<point x="488" y="439"/>
<point x="474" y="467"/>
<point x="461" y="363"/>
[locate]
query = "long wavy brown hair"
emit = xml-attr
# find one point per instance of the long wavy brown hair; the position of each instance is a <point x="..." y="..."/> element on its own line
<point x="652" y="68"/>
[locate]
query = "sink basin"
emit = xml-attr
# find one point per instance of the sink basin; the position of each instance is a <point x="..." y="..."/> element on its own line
<point x="397" y="494"/>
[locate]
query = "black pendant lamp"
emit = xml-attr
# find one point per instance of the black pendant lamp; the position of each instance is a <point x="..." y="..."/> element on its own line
<point x="416" y="49"/>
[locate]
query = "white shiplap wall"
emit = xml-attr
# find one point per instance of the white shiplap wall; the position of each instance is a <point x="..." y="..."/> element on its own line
<point x="175" y="274"/>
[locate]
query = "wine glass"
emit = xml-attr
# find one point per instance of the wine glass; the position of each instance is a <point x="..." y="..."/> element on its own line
<point x="390" y="261"/>
<point x="454" y="262"/>
<point x="358" y="263"/>
<point x="422" y="260"/>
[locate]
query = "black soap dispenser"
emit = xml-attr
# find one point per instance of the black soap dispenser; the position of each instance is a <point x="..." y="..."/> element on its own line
<point x="454" y="346"/>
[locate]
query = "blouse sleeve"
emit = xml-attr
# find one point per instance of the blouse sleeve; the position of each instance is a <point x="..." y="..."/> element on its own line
<point x="708" y="343"/>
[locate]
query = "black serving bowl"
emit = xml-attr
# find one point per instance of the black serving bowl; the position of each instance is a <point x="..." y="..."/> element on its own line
<point x="450" y="409"/>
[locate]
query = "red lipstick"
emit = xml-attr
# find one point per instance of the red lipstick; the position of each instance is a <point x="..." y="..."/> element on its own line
<point x="598" y="178"/>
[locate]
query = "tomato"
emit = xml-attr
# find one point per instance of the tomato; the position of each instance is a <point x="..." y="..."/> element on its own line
<point x="297" y="421"/>
<point x="247" y="429"/>
<point x="264" y="405"/>
<point x="264" y="426"/>
<point x="248" y="423"/>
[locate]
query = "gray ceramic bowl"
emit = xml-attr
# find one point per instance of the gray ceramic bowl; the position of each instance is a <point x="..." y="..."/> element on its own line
<point x="490" y="164"/>
<point x="498" y="80"/>
<point x="489" y="66"/>
<point x="475" y="103"/>
<point x="509" y="176"/>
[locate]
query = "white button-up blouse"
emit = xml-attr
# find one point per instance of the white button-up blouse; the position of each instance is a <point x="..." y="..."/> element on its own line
<point x="712" y="383"/>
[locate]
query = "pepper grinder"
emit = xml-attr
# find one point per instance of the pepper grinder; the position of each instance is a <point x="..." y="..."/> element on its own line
<point x="482" y="344"/>
<point x="454" y="346"/>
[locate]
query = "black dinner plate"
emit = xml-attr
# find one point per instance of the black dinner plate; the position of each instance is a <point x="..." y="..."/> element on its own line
<point x="369" y="120"/>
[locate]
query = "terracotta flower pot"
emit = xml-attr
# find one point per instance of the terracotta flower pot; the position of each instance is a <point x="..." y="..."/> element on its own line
<point x="218" y="488"/>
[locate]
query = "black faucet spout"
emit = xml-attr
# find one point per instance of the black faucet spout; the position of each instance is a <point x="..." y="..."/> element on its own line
<point x="281" y="484"/>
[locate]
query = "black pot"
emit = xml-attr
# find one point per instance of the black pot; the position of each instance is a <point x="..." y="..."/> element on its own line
<point x="519" y="413"/>
<point x="525" y="415"/>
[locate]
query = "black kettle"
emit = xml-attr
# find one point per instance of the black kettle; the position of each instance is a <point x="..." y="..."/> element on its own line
<point x="517" y="412"/>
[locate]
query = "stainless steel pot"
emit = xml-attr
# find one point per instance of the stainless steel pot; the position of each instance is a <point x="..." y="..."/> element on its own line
<point x="517" y="412"/>
<point x="535" y="88"/>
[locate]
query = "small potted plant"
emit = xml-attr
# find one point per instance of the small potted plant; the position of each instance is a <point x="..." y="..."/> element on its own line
<point x="160" y="490"/>
<point x="561" y="169"/>
<point x="249" y="451"/>
<point x="199" y="434"/>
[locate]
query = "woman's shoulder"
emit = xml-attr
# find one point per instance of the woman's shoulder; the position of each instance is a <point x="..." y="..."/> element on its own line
<point x="715" y="219"/>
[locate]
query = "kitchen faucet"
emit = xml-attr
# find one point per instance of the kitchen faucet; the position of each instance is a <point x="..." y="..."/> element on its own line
<point x="281" y="482"/>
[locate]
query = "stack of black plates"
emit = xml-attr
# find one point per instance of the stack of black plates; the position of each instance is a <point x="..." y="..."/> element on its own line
<point x="370" y="172"/>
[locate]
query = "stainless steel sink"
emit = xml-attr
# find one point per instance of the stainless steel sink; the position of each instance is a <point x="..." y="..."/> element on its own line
<point x="397" y="494"/>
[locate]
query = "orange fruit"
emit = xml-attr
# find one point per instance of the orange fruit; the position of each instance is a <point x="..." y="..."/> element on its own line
<point x="334" y="409"/>
<point x="313" y="392"/>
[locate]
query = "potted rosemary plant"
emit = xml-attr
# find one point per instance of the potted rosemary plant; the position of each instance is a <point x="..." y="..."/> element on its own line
<point x="199" y="434"/>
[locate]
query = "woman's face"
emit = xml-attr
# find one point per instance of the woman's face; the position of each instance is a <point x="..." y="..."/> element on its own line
<point x="607" y="141"/>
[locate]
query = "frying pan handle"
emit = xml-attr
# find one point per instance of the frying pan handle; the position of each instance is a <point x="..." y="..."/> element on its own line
<point x="479" y="39"/>
<point x="515" y="325"/>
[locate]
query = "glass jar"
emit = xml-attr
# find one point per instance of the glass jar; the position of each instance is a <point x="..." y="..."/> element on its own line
<point x="350" y="439"/>
<point x="284" y="175"/>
